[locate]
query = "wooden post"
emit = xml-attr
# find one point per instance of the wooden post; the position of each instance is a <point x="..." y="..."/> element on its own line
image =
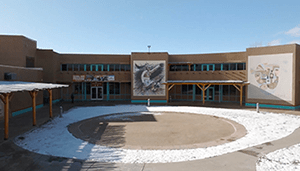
<point x="167" y="93"/>
<point x="5" y="100"/>
<point x="203" y="94"/>
<point x="33" y="96"/>
<point x="241" y="95"/>
<point x="50" y="103"/>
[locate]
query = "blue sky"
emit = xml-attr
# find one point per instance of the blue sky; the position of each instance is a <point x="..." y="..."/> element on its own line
<point x="177" y="27"/>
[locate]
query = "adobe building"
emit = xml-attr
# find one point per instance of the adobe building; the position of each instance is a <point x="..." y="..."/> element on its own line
<point x="266" y="75"/>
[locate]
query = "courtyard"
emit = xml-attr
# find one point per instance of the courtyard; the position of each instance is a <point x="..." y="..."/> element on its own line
<point x="137" y="137"/>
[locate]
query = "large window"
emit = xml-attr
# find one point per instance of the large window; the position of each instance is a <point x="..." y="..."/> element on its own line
<point x="179" y="68"/>
<point x="114" y="88"/>
<point x="209" y="67"/>
<point x="95" y="67"/>
<point x="187" y="89"/>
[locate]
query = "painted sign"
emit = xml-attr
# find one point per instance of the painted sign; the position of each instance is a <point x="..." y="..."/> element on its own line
<point x="93" y="78"/>
<point x="148" y="77"/>
<point x="270" y="77"/>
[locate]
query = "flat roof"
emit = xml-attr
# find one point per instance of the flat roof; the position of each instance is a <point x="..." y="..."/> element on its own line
<point x="16" y="86"/>
<point x="208" y="81"/>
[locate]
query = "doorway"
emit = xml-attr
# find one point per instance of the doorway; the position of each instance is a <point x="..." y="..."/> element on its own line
<point x="210" y="94"/>
<point x="97" y="93"/>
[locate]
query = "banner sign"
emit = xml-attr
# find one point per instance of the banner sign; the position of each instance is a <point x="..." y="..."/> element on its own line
<point x="93" y="78"/>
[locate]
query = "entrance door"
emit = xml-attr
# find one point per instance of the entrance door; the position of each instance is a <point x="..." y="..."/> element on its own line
<point x="97" y="93"/>
<point x="210" y="94"/>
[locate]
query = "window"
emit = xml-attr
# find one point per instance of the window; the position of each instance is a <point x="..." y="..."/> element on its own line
<point x="128" y="68"/>
<point x="81" y="67"/>
<point x="93" y="67"/>
<point x="232" y="66"/>
<point x="64" y="67"/>
<point x="225" y="67"/>
<point x="76" y="67"/>
<point x="241" y="66"/>
<point x="88" y="88"/>
<point x="184" y="68"/>
<point x="77" y="88"/>
<point x="218" y="67"/>
<point x="187" y="89"/>
<point x="105" y="88"/>
<point x="70" y="67"/>
<point x="173" y="67"/>
<point x="88" y="67"/>
<point x="117" y="67"/>
<point x="105" y="67"/>
<point x="114" y="88"/>
<point x="29" y="61"/>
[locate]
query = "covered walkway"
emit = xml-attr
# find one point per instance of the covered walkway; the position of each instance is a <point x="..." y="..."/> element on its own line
<point x="205" y="84"/>
<point x="7" y="88"/>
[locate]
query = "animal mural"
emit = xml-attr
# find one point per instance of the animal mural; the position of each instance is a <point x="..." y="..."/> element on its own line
<point x="148" y="78"/>
<point x="266" y="75"/>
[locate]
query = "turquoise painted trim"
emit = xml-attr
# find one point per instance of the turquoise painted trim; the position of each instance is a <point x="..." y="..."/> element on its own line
<point x="273" y="106"/>
<point x="107" y="91"/>
<point x="194" y="92"/>
<point x="26" y="110"/>
<point x="55" y="101"/>
<point x="151" y="101"/>
<point x="84" y="91"/>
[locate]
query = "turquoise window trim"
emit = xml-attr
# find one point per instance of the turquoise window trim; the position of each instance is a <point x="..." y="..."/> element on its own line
<point x="27" y="110"/>
<point x="107" y="67"/>
<point x="221" y="67"/>
<point x="84" y="67"/>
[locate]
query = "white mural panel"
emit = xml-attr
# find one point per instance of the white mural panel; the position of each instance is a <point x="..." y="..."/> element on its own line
<point x="270" y="77"/>
<point x="148" y="77"/>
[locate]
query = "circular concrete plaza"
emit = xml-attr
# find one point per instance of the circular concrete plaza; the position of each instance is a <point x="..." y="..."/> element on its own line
<point x="158" y="134"/>
<point x="157" y="130"/>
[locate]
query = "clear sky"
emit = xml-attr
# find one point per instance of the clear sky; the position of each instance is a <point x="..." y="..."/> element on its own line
<point x="174" y="26"/>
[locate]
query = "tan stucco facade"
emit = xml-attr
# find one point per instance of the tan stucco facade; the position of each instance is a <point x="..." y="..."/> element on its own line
<point x="48" y="67"/>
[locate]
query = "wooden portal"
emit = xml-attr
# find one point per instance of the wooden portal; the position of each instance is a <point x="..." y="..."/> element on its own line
<point x="205" y="86"/>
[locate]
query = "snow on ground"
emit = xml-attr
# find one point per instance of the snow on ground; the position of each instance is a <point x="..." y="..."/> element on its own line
<point x="54" y="138"/>
<point x="283" y="159"/>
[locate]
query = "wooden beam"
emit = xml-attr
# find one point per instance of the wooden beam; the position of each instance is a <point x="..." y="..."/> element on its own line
<point x="207" y="87"/>
<point x="237" y="87"/>
<point x="199" y="86"/>
<point x="6" y="116"/>
<point x="203" y="94"/>
<point x="171" y="87"/>
<point x="2" y="98"/>
<point x="50" y="103"/>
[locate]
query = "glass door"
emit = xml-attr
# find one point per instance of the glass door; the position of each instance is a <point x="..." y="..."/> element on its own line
<point x="97" y="93"/>
<point x="210" y="94"/>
